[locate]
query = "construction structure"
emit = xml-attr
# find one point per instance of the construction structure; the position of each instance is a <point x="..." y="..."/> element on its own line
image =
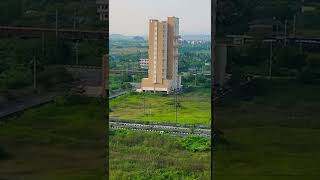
<point x="103" y="9"/>
<point x="163" y="57"/>
<point x="91" y="81"/>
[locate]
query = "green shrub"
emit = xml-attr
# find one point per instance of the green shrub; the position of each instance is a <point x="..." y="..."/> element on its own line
<point x="15" y="78"/>
<point x="52" y="76"/>
<point x="3" y="154"/>
<point x="195" y="143"/>
<point x="119" y="132"/>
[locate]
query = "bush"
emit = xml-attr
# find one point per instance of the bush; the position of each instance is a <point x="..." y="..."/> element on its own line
<point x="52" y="76"/>
<point x="126" y="86"/>
<point x="195" y="143"/>
<point x="15" y="78"/>
<point x="309" y="75"/>
<point x="119" y="132"/>
<point x="3" y="154"/>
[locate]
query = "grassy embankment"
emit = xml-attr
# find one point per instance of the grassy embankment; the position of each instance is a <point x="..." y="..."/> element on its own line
<point x="274" y="136"/>
<point x="61" y="140"/>
<point x="144" y="156"/>
<point x="194" y="108"/>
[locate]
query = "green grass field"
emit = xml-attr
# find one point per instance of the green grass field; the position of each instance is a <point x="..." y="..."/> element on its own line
<point x="195" y="107"/>
<point x="147" y="156"/>
<point x="274" y="136"/>
<point x="64" y="140"/>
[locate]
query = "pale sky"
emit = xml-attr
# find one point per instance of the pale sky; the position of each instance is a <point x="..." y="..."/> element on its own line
<point x="131" y="17"/>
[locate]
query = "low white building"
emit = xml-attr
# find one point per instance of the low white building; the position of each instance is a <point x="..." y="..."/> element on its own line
<point x="144" y="63"/>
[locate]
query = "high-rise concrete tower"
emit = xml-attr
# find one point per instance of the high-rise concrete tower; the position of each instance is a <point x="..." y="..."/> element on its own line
<point x="163" y="56"/>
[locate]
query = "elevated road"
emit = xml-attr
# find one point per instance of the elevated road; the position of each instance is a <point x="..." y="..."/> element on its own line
<point x="62" y="33"/>
<point x="25" y="103"/>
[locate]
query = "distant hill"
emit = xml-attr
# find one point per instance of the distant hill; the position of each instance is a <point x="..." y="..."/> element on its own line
<point x="138" y="38"/>
<point x="120" y="37"/>
<point x="185" y="37"/>
<point x="124" y="37"/>
<point x="196" y="37"/>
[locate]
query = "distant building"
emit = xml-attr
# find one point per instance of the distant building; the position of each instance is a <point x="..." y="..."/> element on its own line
<point x="193" y="42"/>
<point x="138" y="38"/>
<point x="144" y="63"/>
<point x="163" y="56"/>
<point x="102" y="9"/>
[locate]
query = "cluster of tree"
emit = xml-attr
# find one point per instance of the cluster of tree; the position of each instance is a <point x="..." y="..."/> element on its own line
<point x="287" y="61"/>
<point x="43" y="13"/>
<point x="194" y="56"/>
<point x="234" y="16"/>
<point x="310" y="73"/>
<point x="17" y="56"/>
<point x="196" y="80"/>
<point x="10" y="10"/>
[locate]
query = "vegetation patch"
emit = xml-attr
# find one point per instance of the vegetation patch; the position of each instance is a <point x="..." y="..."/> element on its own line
<point x="69" y="135"/>
<point x="195" y="143"/>
<point x="161" y="108"/>
<point x="275" y="135"/>
<point x="4" y="155"/>
<point x="141" y="155"/>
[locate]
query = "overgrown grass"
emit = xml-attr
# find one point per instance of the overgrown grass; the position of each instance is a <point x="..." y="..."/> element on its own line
<point x="273" y="136"/>
<point x="62" y="140"/>
<point x="194" y="107"/>
<point x="137" y="155"/>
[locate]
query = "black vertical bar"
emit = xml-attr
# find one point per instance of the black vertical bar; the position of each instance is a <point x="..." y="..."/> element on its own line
<point x="107" y="100"/>
<point x="213" y="43"/>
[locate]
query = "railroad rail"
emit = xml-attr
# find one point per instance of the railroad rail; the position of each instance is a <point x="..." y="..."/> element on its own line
<point x="183" y="131"/>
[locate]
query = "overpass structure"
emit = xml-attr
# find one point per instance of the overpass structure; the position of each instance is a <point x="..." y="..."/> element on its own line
<point x="239" y="40"/>
<point x="61" y="33"/>
<point x="85" y="68"/>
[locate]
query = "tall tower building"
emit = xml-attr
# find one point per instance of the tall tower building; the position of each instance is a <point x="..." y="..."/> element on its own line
<point x="163" y="56"/>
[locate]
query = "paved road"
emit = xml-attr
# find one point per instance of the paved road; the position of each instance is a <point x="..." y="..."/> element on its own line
<point x="117" y="94"/>
<point x="25" y="103"/>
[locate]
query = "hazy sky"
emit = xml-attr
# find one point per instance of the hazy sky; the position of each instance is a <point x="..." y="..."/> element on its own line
<point x="131" y="17"/>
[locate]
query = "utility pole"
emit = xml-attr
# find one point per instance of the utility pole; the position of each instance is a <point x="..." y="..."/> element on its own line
<point x="74" y="19"/>
<point x="57" y="23"/>
<point x="285" y="32"/>
<point x="34" y="73"/>
<point x="270" y="60"/>
<point x="43" y="41"/>
<point x="144" y="103"/>
<point x="176" y="104"/>
<point x="77" y="52"/>
<point x="294" y="25"/>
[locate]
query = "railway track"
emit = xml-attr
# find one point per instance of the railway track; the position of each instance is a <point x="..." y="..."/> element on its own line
<point x="182" y="131"/>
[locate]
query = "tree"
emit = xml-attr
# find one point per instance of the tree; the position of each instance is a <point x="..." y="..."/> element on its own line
<point x="291" y="58"/>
